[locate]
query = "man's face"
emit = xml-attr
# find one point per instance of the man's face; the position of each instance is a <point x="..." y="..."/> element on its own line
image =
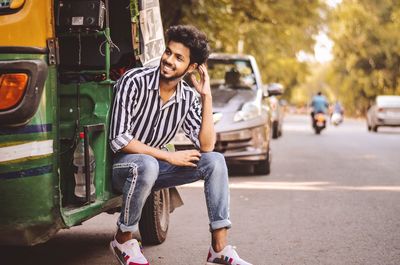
<point x="175" y="61"/>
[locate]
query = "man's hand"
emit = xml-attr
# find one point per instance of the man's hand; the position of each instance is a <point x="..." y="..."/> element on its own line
<point x="184" y="158"/>
<point x="202" y="86"/>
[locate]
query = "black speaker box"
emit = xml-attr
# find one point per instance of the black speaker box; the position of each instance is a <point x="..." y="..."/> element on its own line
<point x="85" y="15"/>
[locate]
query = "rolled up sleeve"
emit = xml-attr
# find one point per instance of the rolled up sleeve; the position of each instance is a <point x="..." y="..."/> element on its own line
<point x="120" y="141"/>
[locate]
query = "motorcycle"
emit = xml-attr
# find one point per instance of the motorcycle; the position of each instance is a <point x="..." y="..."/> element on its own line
<point x="319" y="122"/>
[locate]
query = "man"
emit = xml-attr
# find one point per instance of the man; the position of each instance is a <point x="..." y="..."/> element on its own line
<point x="150" y="105"/>
<point x="338" y="108"/>
<point x="319" y="104"/>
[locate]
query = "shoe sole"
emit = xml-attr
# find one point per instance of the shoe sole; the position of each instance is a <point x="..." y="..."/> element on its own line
<point x="115" y="255"/>
<point x="224" y="262"/>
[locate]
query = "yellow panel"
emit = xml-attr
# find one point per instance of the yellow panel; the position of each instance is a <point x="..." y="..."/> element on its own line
<point x="30" y="27"/>
<point x="17" y="4"/>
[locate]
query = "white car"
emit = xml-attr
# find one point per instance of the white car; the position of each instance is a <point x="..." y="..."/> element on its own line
<point x="384" y="112"/>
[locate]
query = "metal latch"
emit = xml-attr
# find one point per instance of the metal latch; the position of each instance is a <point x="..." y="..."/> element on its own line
<point x="52" y="45"/>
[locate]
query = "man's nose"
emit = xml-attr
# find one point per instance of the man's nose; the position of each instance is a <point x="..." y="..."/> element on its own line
<point x="170" y="59"/>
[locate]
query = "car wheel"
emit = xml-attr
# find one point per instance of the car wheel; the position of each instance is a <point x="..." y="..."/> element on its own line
<point x="368" y="127"/>
<point x="154" y="221"/>
<point x="275" y="130"/>
<point x="374" y="128"/>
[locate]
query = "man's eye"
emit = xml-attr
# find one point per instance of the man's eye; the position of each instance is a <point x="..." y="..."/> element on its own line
<point x="180" y="59"/>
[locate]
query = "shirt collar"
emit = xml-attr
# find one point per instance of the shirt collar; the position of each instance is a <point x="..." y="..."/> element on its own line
<point x="155" y="85"/>
<point x="180" y="93"/>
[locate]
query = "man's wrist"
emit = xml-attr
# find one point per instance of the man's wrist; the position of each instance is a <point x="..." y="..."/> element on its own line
<point x="206" y="97"/>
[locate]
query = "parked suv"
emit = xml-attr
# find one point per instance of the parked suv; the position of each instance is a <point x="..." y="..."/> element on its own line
<point x="242" y="114"/>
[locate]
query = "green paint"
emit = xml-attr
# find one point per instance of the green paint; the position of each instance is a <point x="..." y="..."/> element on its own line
<point x="24" y="164"/>
<point x="28" y="200"/>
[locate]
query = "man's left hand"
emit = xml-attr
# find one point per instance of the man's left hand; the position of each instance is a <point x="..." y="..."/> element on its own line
<point x="202" y="86"/>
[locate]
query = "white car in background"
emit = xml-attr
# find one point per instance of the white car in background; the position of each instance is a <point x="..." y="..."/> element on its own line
<point x="384" y="112"/>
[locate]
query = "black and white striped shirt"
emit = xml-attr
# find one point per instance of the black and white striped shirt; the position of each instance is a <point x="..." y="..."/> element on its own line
<point x="138" y="112"/>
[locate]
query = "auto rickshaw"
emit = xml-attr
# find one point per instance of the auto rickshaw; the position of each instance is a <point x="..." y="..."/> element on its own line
<point x="59" y="60"/>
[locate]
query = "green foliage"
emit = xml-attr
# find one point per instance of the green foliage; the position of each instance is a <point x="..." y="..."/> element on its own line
<point x="366" y="34"/>
<point x="272" y="31"/>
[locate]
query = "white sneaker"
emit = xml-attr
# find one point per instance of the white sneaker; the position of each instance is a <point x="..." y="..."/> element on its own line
<point x="128" y="253"/>
<point x="228" y="256"/>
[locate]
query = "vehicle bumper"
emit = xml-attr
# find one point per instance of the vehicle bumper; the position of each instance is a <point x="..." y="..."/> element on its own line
<point x="243" y="146"/>
<point x="388" y="122"/>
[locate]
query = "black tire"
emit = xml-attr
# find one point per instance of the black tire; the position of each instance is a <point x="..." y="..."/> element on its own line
<point x="153" y="224"/>
<point x="264" y="166"/>
<point x="275" y="130"/>
<point x="374" y="128"/>
<point x="369" y="127"/>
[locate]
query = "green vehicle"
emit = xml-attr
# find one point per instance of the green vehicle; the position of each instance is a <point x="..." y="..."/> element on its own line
<point x="59" y="60"/>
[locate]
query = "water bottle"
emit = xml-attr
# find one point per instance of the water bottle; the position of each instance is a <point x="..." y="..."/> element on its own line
<point x="79" y="170"/>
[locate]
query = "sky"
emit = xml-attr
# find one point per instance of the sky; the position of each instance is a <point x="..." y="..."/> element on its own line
<point x="323" y="46"/>
<point x="333" y="3"/>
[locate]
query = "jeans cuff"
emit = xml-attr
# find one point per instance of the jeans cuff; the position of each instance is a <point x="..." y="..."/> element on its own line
<point x="220" y="224"/>
<point x="125" y="228"/>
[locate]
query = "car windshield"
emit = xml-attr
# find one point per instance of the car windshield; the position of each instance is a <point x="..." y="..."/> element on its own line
<point x="231" y="74"/>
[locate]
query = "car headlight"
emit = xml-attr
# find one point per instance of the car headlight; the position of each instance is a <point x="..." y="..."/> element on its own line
<point x="217" y="117"/>
<point x="249" y="111"/>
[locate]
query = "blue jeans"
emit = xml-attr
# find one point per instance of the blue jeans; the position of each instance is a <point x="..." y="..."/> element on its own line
<point x="136" y="175"/>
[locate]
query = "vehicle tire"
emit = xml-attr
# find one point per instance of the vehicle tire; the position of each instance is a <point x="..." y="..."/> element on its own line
<point x="153" y="224"/>
<point x="317" y="130"/>
<point x="275" y="130"/>
<point x="263" y="167"/>
<point x="374" y="128"/>
<point x="369" y="127"/>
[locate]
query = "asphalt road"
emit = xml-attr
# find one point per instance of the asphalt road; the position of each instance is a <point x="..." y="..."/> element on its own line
<point x="332" y="198"/>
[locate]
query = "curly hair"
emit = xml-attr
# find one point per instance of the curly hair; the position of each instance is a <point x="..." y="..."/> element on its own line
<point x="192" y="38"/>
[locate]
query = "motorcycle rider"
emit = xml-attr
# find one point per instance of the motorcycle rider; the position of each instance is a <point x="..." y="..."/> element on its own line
<point x="319" y="104"/>
<point x="338" y="108"/>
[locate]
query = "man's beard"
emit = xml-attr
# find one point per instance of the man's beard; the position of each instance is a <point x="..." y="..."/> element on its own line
<point x="172" y="78"/>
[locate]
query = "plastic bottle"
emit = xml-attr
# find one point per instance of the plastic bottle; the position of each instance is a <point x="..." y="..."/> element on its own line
<point x="79" y="170"/>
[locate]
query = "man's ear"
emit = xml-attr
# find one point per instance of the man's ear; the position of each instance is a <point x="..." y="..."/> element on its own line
<point x="192" y="67"/>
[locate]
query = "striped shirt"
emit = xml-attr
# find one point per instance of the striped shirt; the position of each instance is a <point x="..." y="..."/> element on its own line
<point x="139" y="113"/>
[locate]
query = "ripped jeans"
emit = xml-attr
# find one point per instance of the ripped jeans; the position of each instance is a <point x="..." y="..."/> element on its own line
<point x="136" y="175"/>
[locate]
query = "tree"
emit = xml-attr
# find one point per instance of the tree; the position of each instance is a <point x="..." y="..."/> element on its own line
<point x="272" y="31"/>
<point x="366" y="62"/>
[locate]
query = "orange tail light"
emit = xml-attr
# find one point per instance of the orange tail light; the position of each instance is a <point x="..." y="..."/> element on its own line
<point x="320" y="117"/>
<point x="12" y="89"/>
